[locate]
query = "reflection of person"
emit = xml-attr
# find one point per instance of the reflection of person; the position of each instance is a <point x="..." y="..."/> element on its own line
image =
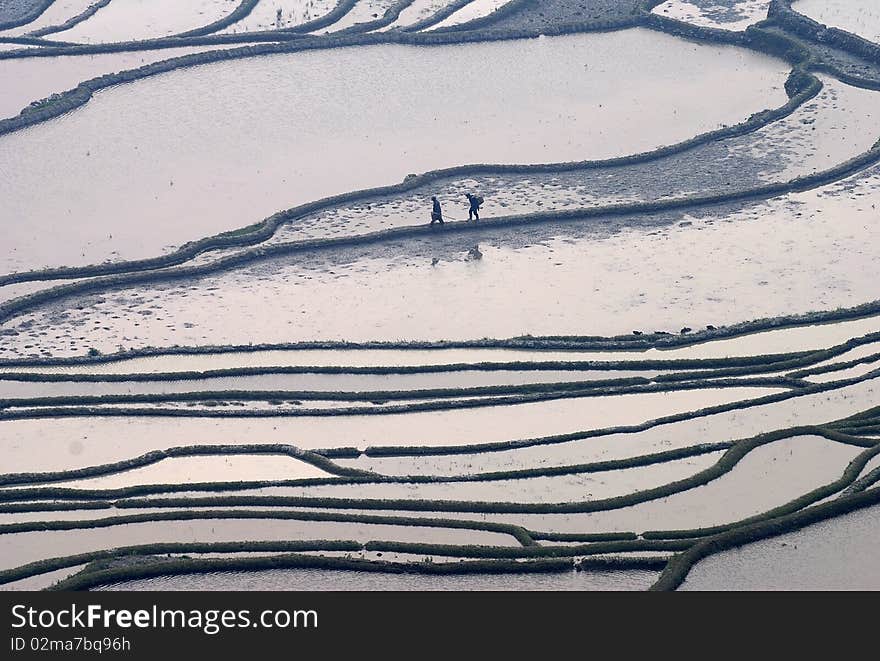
<point x="436" y="214"/>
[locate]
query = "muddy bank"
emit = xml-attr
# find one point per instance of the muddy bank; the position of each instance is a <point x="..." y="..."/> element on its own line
<point x="551" y="15"/>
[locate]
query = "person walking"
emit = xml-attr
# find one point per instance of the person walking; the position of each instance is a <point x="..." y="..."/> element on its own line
<point x="436" y="213"/>
<point x="475" y="202"/>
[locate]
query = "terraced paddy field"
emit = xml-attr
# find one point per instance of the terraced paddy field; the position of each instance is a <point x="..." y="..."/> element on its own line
<point x="235" y="355"/>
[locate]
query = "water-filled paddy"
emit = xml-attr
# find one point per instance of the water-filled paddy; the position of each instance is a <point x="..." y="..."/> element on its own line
<point x="756" y="263"/>
<point x="470" y="12"/>
<point x="849" y="373"/>
<point x="20" y="548"/>
<point x="41" y="581"/>
<point x="57" y="13"/>
<point x="861" y="17"/>
<point x="567" y="488"/>
<point x="135" y="20"/>
<point x="184" y="470"/>
<point x="245" y="112"/>
<point x="293" y="13"/>
<point x="769" y="476"/>
<point x="417" y="11"/>
<point x="715" y="428"/>
<point x="838" y="124"/>
<point x="24" y="80"/>
<point x="794" y="339"/>
<point x="54" y="444"/>
<point x="146" y="166"/>
<point x="862" y="351"/>
<point x="838" y="554"/>
<point x="313" y="382"/>
<point x="365" y="11"/>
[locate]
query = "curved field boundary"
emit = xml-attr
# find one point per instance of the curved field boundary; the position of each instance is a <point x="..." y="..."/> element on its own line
<point x="64" y="562"/>
<point x="700" y="32"/>
<point x="847" y="479"/>
<point x="866" y="430"/>
<point x="70" y="408"/>
<point x="835" y="367"/>
<point x="443" y="13"/>
<point x="328" y="19"/>
<point x="602" y="547"/>
<point x="724" y="465"/>
<point x="680" y="565"/>
<point x="599" y="548"/>
<point x="279" y="449"/>
<point x="483" y="395"/>
<point x="399" y="451"/>
<point x="863" y="483"/>
<point x="349" y="396"/>
<point x="335" y="40"/>
<point x="240" y="12"/>
<point x="621" y="343"/>
<point x="125" y="277"/>
<point x="452" y="551"/>
<point x="164" y="567"/>
<point x="403" y="451"/>
<point x="24" y="41"/>
<point x="263" y="230"/>
<point x="501" y="446"/>
<point x="705" y="368"/>
<point x="30" y="16"/>
<point x="864" y="422"/>
<point x="19" y="305"/>
<point x="781" y="13"/>
<point x="849" y="79"/>
<point x="482" y="22"/>
<point x="348" y="476"/>
<point x="685" y="380"/>
<point x="517" y="532"/>
<point x="89" y="11"/>
<point x="737" y="451"/>
<point x="99" y="283"/>
<point x="318" y="461"/>
<point x="582" y="537"/>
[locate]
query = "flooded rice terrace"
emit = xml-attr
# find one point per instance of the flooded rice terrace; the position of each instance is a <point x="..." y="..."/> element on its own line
<point x="237" y="354"/>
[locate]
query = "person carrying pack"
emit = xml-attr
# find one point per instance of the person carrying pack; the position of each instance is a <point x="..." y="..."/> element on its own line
<point x="474" y="211"/>
<point x="436" y="213"/>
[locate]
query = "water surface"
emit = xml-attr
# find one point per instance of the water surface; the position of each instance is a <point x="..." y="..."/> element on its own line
<point x="221" y="146"/>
